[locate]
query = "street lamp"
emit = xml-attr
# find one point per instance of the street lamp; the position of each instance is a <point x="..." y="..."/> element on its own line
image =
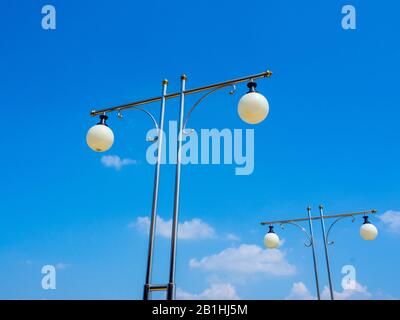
<point x="253" y="108"/>
<point x="271" y="239"/>
<point x="367" y="231"/>
<point x="100" y="137"/>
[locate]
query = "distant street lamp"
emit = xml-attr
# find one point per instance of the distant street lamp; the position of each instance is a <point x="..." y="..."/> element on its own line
<point x="367" y="231"/>
<point x="252" y="108"/>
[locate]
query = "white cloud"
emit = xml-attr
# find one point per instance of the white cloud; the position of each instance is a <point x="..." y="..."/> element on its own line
<point x="301" y="292"/>
<point x="358" y="293"/>
<point x="392" y="220"/>
<point x="246" y="259"/>
<point x="116" y="162"/>
<point x="187" y="230"/>
<point x="217" y="291"/>
<point x="381" y="295"/>
<point x="232" y="237"/>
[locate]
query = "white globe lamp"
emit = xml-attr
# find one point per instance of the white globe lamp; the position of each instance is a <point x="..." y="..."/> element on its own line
<point x="368" y="231"/>
<point x="100" y="137"/>
<point x="253" y="107"/>
<point x="271" y="239"/>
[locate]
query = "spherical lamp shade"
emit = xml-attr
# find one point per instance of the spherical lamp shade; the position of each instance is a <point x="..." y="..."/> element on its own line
<point x="271" y="239"/>
<point x="253" y="107"/>
<point x="100" y="137"/>
<point x="368" y="231"/>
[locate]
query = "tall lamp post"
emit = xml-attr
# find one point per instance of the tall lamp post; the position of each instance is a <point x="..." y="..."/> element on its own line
<point x="253" y="108"/>
<point x="100" y="138"/>
<point x="367" y="231"/>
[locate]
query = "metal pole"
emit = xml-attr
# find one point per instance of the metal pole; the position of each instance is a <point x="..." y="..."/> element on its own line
<point x="313" y="251"/>
<point x="160" y="136"/>
<point x="328" y="268"/>
<point x="171" y="284"/>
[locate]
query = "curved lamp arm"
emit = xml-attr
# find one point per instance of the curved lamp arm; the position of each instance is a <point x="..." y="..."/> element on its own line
<point x="150" y="115"/>
<point x="205" y="96"/>
<point x="333" y="223"/>
<point x="307" y="244"/>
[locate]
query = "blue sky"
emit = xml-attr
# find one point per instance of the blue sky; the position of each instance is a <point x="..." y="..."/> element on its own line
<point x="331" y="137"/>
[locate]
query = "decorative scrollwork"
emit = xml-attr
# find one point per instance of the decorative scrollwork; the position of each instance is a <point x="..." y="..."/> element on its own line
<point x="333" y="223"/>
<point x="189" y="132"/>
<point x="149" y="138"/>
<point x="307" y="243"/>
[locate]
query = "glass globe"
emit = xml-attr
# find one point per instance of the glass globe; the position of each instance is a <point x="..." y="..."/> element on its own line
<point x="368" y="231"/>
<point x="100" y="137"/>
<point x="271" y="239"/>
<point x="253" y="108"/>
